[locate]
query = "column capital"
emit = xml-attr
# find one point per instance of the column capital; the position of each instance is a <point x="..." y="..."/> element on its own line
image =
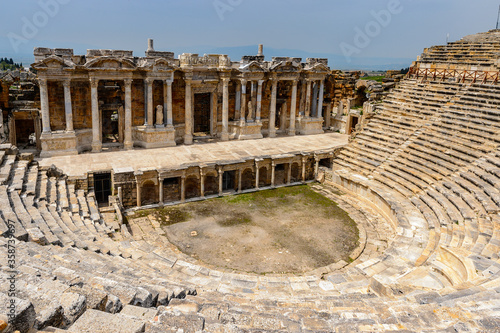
<point x="66" y="83"/>
<point x="295" y="82"/>
<point x="243" y="81"/>
<point x="127" y="82"/>
<point x="260" y="82"/>
<point x="169" y="81"/>
<point x="188" y="76"/>
<point x="149" y="80"/>
<point x="94" y="82"/>
<point x="42" y="81"/>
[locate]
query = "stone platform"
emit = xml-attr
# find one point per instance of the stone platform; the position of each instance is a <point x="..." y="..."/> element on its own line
<point x="173" y="157"/>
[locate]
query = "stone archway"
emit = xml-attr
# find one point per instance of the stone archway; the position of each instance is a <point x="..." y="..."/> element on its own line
<point x="263" y="177"/>
<point x="149" y="193"/>
<point x="247" y="179"/>
<point x="295" y="173"/>
<point x="211" y="184"/>
<point x="192" y="186"/>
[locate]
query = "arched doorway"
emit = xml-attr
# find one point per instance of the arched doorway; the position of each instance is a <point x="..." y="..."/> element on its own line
<point x="192" y="187"/>
<point x="295" y="173"/>
<point x="247" y="179"/>
<point x="211" y="184"/>
<point x="263" y="177"/>
<point x="149" y="193"/>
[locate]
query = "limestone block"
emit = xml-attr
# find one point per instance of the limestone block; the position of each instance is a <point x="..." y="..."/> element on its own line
<point x="139" y="312"/>
<point x="174" y="321"/>
<point x="94" y="321"/>
<point x="21" y="316"/>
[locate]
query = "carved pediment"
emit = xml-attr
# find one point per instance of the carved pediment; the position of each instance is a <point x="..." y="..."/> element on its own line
<point x="318" y="68"/>
<point x="288" y="65"/>
<point x="164" y="65"/>
<point x="53" y="62"/>
<point x="253" y="66"/>
<point x="110" y="63"/>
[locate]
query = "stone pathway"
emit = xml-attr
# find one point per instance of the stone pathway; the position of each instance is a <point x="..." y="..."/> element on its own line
<point x="174" y="157"/>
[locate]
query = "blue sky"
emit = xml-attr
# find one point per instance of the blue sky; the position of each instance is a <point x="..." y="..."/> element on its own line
<point x="323" y="28"/>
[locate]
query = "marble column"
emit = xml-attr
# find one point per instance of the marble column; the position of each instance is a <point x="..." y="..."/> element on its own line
<point x="221" y="173"/>
<point x="202" y="183"/>
<point x="138" y="187"/>
<point x="127" y="141"/>
<point x="68" y="109"/>
<point x="167" y="103"/>
<point x="289" y="174"/>
<point x="237" y="98"/>
<point x="328" y="119"/>
<point x="225" y="109"/>
<point x="316" y="167"/>
<point x="160" y="184"/>
<point x="243" y="101"/>
<point x="304" y="160"/>
<point x="44" y="106"/>
<point x="314" y="110"/>
<point x="293" y="109"/>
<point x="150" y="106"/>
<point x="272" y="111"/>
<point x="183" y="188"/>
<point x="96" y="128"/>
<point x="188" y="132"/>
<point x="257" y="174"/>
<point x="308" y="99"/>
<point x="320" y="99"/>
<point x="250" y="117"/>
<point x="259" y="100"/>
<point x="273" y="172"/>
<point x="240" y="172"/>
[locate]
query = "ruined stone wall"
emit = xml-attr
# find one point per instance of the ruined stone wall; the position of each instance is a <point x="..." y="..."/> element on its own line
<point x="4" y="95"/>
<point x="178" y="100"/>
<point x="341" y="87"/>
<point x="138" y="103"/>
<point x="56" y="105"/>
<point x="82" y="104"/>
<point x="126" y="181"/>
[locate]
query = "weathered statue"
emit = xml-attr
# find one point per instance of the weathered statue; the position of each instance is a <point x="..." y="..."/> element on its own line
<point x="159" y="115"/>
<point x="250" y="111"/>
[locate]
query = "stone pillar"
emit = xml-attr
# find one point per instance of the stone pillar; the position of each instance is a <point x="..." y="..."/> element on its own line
<point x="127" y="141"/>
<point x="349" y="105"/>
<point x="308" y="99"/>
<point x="328" y="116"/>
<point x="293" y="109"/>
<point x="273" y="165"/>
<point x="316" y="166"/>
<point x="320" y="99"/>
<point x="44" y="105"/>
<point x="167" y="99"/>
<point x="304" y="160"/>
<point x="225" y="109"/>
<point x="221" y="173"/>
<point x="202" y="183"/>
<point x="138" y="187"/>
<point x="259" y="100"/>
<point x="314" y="110"/>
<point x="239" y="180"/>
<point x="257" y="174"/>
<point x="289" y="174"/>
<point x="150" y="106"/>
<point x="183" y="188"/>
<point x="237" y="98"/>
<point x="96" y="121"/>
<point x="68" y="109"/>
<point x="243" y="101"/>
<point x="253" y="98"/>
<point x="120" y="194"/>
<point x="272" y="111"/>
<point x="340" y="110"/>
<point x="160" y="184"/>
<point x="188" y="132"/>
